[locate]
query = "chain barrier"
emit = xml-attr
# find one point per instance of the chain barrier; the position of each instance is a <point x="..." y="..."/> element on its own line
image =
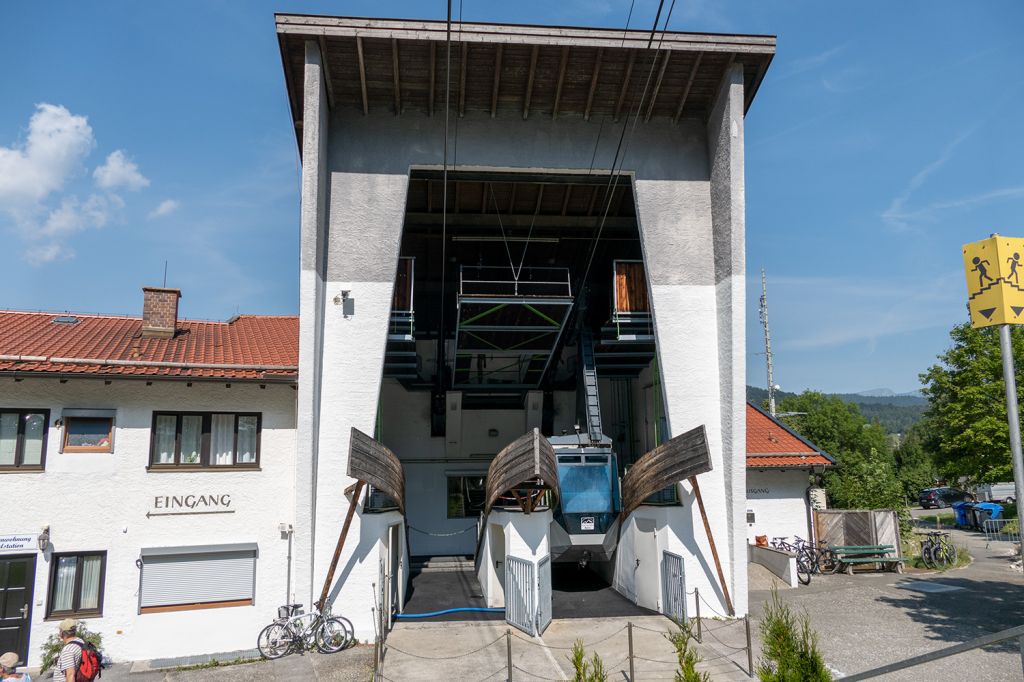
<point x="391" y="647"/>
<point x="441" y="535"/>
<point x="570" y="648"/>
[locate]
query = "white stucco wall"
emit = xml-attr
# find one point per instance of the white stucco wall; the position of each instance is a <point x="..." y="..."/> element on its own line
<point x="98" y="502"/>
<point x="778" y="500"/>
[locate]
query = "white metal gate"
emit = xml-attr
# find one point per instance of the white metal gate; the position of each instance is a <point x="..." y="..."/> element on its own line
<point x="520" y="588"/>
<point x="673" y="587"/>
<point x="543" y="594"/>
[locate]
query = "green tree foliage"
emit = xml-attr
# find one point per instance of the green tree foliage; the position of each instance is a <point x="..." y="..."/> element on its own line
<point x="686" y="656"/>
<point x="789" y="646"/>
<point x="866" y="474"/>
<point x="915" y="466"/>
<point x="53" y="645"/>
<point x="966" y="416"/>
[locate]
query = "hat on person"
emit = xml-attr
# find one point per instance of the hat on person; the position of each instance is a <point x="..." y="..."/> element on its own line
<point x="9" y="660"/>
<point x="67" y="625"/>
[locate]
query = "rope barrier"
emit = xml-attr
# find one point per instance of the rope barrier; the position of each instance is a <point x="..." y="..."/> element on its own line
<point x="653" y="660"/>
<point x="540" y="677"/>
<point x="727" y="646"/>
<point x="568" y="648"/>
<point x="441" y="535"/>
<point x="389" y="647"/>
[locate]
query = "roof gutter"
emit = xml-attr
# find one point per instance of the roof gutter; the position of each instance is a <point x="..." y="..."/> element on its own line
<point x="147" y="363"/>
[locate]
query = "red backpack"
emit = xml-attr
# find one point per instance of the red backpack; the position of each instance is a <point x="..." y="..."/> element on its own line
<point x="91" y="666"/>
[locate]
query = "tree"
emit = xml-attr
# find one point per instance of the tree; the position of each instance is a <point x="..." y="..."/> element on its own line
<point x="866" y="474"/>
<point x="915" y="465"/>
<point x="966" y="417"/>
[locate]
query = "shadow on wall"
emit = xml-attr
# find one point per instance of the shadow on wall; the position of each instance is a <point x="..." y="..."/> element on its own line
<point x="980" y="608"/>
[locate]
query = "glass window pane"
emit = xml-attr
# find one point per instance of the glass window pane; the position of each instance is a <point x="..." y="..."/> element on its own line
<point x="35" y="427"/>
<point x="247" y="440"/>
<point x="191" y="438"/>
<point x="88" y="432"/>
<point x="222" y="439"/>
<point x="8" y="437"/>
<point x="64" y="584"/>
<point x="90" y="598"/>
<point x="163" y="448"/>
<point x="456" y="503"/>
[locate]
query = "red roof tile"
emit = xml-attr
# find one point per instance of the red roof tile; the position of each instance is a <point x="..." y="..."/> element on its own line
<point x="250" y="347"/>
<point x="771" y="444"/>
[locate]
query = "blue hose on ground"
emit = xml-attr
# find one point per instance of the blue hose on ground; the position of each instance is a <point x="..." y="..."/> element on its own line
<point x="441" y="613"/>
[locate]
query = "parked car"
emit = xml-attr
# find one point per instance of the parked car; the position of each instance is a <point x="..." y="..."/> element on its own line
<point x="997" y="492"/>
<point x="943" y="497"/>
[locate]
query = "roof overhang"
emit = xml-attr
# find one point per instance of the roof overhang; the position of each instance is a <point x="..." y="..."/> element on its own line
<point x="398" y="67"/>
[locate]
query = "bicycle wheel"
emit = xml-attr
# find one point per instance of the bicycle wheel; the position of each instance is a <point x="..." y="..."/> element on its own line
<point x="332" y="636"/>
<point x="926" y="555"/>
<point x="827" y="562"/>
<point x="274" y="641"/>
<point x="803" y="569"/>
<point x="948" y="552"/>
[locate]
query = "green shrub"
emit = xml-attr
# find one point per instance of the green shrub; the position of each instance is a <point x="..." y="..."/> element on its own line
<point x="53" y="645"/>
<point x="688" y="657"/>
<point x="790" y="647"/>
<point x="584" y="670"/>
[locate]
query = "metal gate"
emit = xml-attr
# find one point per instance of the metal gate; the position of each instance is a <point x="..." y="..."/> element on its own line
<point x="520" y="588"/>
<point x="544" y="594"/>
<point x="673" y="588"/>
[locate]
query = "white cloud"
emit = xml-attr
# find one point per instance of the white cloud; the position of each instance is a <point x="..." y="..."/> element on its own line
<point x="120" y="171"/>
<point x="166" y="207"/>
<point x="57" y="143"/>
<point x="895" y="215"/>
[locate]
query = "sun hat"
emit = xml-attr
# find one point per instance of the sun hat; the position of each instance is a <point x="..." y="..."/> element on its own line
<point x="9" y="660"/>
<point x="67" y="625"/>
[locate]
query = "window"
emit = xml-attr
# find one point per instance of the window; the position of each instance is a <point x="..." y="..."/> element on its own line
<point x="88" y="434"/>
<point x="76" y="585"/>
<point x="466" y="496"/>
<point x="205" y="439"/>
<point x="23" y="439"/>
<point x="186" y="578"/>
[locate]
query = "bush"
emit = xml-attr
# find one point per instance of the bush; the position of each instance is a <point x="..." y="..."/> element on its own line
<point x="53" y="645"/>
<point x="790" y="647"/>
<point x="688" y="658"/>
<point x="584" y="670"/>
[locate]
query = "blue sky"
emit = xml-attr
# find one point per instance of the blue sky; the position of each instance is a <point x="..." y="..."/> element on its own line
<point x="884" y="136"/>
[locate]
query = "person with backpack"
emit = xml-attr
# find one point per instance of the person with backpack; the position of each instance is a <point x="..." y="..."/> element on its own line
<point x="8" y="669"/>
<point x="78" y="660"/>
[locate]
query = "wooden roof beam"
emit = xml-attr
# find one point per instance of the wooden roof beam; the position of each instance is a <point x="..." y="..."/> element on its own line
<point x="721" y="82"/>
<point x="362" y="74"/>
<point x="462" y="80"/>
<point x="398" y="85"/>
<point x="327" y="71"/>
<point x="561" y="80"/>
<point x="625" y="84"/>
<point x="433" y="77"/>
<point x="686" y="88"/>
<point x="497" y="80"/>
<point x="657" y="85"/>
<point x="511" y="198"/>
<point x="593" y="83"/>
<point x="529" y="81"/>
<point x="748" y="96"/>
<point x="540" y="196"/>
<point x="565" y="199"/>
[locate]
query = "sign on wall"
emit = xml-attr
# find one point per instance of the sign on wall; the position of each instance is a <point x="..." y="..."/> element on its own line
<point x="995" y="281"/>
<point x="18" y="542"/>
<point x="190" y="505"/>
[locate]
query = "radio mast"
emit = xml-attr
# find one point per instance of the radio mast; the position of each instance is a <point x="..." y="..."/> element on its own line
<point x="763" y="310"/>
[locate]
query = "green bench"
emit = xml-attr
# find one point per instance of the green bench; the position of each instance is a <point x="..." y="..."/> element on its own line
<point x="849" y="556"/>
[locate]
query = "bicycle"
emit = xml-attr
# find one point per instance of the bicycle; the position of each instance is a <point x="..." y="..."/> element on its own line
<point x="937" y="551"/>
<point x="805" y="560"/>
<point x="294" y="630"/>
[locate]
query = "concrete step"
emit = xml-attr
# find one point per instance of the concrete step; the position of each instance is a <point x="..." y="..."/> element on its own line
<point x="441" y="563"/>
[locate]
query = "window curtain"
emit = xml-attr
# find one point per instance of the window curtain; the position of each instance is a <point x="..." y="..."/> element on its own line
<point x="222" y="439"/>
<point x="247" y="440"/>
<point x="90" y="598"/>
<point x="8" y="438"/>
<point x="166" y="424"/>
<point x="191" y="438"/>
<point x="35" y="425"/>
<point x="64" y="585"/>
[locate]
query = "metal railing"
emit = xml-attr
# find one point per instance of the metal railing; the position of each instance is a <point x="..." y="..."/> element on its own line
<point x="996" y="530"/>
<point x="489" y="280"/>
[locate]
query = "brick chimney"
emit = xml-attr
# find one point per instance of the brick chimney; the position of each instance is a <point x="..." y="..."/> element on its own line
<point x="159" y="312"/>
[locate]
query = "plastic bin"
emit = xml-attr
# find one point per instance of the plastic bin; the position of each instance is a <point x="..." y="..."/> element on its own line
<point x="987" y="510"/>
<point x="960" y="513"/>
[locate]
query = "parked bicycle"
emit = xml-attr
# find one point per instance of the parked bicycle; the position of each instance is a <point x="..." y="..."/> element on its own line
<point x="805" y="559"/>
<point x="937" y="550"/>
<point x="294" y="630"/>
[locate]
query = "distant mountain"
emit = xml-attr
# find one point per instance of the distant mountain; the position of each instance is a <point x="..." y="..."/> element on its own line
<point x="896" y="412"/>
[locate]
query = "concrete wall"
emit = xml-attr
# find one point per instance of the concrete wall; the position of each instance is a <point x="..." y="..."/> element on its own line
<point x="99" y="502"/>
<point x="778" y="500"/>
<point x="782" y="564"/>
<point x="647" y="534"/>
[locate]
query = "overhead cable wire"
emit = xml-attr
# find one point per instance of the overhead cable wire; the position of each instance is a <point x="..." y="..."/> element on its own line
<point x="600" y="128"/>
<point x="444" y="192"/>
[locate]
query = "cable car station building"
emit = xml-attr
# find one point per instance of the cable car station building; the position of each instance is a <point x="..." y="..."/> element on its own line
<point x="522" y="304"/>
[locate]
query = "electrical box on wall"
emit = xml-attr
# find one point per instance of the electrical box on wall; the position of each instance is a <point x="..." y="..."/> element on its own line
<point x="453" y="423"/>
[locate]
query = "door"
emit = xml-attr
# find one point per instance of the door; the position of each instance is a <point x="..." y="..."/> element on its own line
<point x="543" y="594"/>
<point x="17" y="577"/>
<point x="674" y="587"/>
<point x="520" y="589"/>
<point x="394" y="571"/>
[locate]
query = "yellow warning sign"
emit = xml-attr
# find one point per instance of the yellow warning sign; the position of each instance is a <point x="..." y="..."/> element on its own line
<point x="995" y="281"/>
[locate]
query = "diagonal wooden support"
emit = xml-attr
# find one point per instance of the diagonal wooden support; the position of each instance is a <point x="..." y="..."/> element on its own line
<point x="341" y="544"/>
<point x="711" y="541"/>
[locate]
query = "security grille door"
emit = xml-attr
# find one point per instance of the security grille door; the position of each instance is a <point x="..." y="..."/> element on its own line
<point x="674" y="591"/>
<point x="519" y="594"/>
<point x="543" y="594"/>
<point x="17" y="575"/>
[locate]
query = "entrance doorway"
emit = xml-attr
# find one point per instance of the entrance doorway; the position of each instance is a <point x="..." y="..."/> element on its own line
<point x="17" y="578"/>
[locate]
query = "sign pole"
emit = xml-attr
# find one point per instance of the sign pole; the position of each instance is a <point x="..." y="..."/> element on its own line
<point x="1013" y="420"/>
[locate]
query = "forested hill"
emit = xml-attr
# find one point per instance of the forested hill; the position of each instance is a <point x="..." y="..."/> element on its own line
<point x="896" y="413"/>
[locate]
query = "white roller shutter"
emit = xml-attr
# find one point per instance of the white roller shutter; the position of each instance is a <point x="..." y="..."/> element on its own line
<point x="197" y="577"/>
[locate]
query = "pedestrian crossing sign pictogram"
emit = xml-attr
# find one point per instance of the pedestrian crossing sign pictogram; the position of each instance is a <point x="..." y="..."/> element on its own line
<point x="995" y="281"/>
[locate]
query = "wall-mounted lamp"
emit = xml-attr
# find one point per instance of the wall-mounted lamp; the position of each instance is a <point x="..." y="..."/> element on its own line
<point x="44" y="539"/>
<point x="347" y="303"/>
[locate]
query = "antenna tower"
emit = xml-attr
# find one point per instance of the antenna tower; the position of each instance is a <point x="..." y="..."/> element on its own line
<point x="763" y="310"/>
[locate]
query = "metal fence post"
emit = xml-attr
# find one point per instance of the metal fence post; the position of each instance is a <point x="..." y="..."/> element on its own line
<point x="696" y="601"/>
<point x="508" y="649"/>
<point x="750" y="649"/>
<point x="632" y="676"/>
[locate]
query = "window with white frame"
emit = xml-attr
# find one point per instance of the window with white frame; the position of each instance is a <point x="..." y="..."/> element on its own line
<point x="205" y="439"/>
<point x="203" y="577"/>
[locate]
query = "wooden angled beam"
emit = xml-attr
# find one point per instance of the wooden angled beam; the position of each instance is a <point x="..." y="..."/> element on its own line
<point x="529" y="81"/>
<point x="561" y="80"/>
<point x="398" y="85"/>
<point x="462" y="80"/>
<point x="686" y="88"/>
<point x="327" y="71"/>
<point x="497" y="80"/>
<point x="714" y="550"/>
<point x="433" y="77"/>
<point x="593" y="83"/>
<point x="625" y="84"/>
<point x="657" y="85"/>
<point x="565" y="199"/>
<point x="362" y="74"/>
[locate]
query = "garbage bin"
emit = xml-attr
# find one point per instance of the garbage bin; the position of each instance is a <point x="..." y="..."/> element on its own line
<point x="960" y="510"/>
<point x="984" y="511"/>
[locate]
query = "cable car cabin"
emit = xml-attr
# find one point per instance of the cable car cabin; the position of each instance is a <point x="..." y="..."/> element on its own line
<point x="585" y="525"/>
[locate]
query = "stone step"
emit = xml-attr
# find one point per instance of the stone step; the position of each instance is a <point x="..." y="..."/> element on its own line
<point x="441" y="563"/>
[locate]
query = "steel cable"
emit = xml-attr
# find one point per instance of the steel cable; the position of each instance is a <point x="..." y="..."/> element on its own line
<point x="568" y="648"/>
<point x="390" y="647"/>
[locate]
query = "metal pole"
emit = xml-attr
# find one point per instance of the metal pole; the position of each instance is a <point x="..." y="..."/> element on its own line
<point x="750" y="650"/>
<point x="508" y="649"/>
<point x="696" y="601"/>
<point x="1013" y="420"/>
<point x="632" y="676"/>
